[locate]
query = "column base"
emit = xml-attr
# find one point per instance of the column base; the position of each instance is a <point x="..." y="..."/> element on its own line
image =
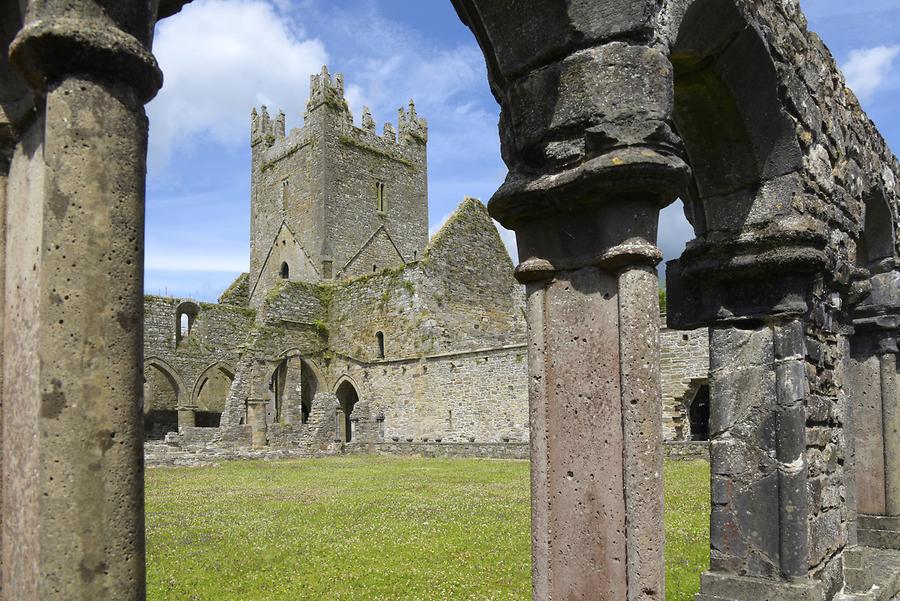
<point x="871" y="574"/>
<point x="879" y="531"/>
<point x="718" y="586"/>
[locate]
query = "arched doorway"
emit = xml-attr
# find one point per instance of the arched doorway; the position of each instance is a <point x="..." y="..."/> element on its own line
<point x="309" y="384"/>
<point x="161" y="396"/>
<point x="277" y="390"/>
<point x="211" y="394"/>
<point x="698" y="414"/>
<point x="347" y="399"/>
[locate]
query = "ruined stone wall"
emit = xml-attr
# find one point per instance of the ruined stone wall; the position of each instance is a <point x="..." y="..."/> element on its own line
<point x="460" y="296"/>
<point x="480" y="396"/>
<point x="683" y="368"/>
<point x="216" y="338"/>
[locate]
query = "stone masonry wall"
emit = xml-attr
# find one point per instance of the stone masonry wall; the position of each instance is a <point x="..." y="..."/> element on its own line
<point x="216" y="337"/>
<point x="479" y="396"/>
<point x="683" y="368"/>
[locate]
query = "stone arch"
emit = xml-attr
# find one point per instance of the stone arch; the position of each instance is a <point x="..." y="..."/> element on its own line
<point x="347" y="393"/>
<point x="210" y="394"/>
<point x="185" y="314"/>
<point x="163" y="394"/>
<point x="311" y="378"/>
<point x="875" y="248"/>
<point x="728" y="112"/>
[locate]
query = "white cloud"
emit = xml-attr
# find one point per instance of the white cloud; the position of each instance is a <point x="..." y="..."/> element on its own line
<point x="386" y="64"/>
<point x="867" y="69"/>
<point x="220" y="58"/>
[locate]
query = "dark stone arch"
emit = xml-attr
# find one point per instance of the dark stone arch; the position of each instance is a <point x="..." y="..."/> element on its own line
<point x="875" y="248"/>
<point x="210" y="394"/>
<point x="730" y="117"/>
<point x="348" y="397"/>
<point x="163" y="394"/>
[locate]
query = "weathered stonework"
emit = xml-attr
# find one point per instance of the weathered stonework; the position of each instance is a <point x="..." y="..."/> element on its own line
<point x="610" y="109"/>
<point x="427" y="347"/>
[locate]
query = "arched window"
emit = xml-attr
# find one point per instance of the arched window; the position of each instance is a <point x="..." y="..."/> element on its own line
<point x="379" y="196"/>
<point x="285" y="271"/>
<point x="379" y="336"/>
<point x="185" y="314"/>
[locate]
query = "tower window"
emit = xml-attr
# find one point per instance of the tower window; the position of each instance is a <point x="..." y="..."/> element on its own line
<point x="284" y="194"/>
<point x="379" y="196"/>
<point x="379" y="336"/>
<point x="285" y="271"/>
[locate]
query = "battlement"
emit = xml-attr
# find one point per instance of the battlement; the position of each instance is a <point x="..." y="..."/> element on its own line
<point x="413" y="129"/>
<point x="327" y="90"/>
<point x="264" y="129"/>
<point x="323" y="89"/>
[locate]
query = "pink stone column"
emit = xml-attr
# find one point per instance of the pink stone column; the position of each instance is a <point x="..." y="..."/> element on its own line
<point x="595" y="401"/>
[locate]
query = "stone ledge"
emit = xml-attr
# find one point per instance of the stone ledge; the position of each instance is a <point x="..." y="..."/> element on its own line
<point x="879" y="531"/>
<point x="870" y="574"/>
<point x="727" y="587"/>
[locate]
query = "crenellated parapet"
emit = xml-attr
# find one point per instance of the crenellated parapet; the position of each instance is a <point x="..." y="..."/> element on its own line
<point x="413" y="129"/>
<point x="326" y="90"/>
<point x="264" y="129"/>
<point x="404" y="143"/>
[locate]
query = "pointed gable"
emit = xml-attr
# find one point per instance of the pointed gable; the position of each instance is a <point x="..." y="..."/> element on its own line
<point x="378" y="252"/>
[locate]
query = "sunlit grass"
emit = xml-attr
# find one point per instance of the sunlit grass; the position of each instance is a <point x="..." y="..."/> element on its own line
<point x="370" y="528"/>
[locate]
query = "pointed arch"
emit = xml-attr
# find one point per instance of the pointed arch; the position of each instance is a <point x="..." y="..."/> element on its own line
<point x="728" y="111"/>
<point x="161" y="399"/>
<point x="347" y="394"/>
<point x="169" y="372"/>
<point x="223" y="366"/>
<point x="876" y="244"/>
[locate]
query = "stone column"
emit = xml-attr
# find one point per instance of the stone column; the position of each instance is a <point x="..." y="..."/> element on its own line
<point x="876" y="433"/>
<point x="586" y="131"/>
<point x="595" y="419"/>
<point x="74" y="304"/>
<point x="256" y="417"/>
<point x="186" y="416"/>
<point x="875" y="410"/>
<point x="775" y="531"/>
<point x="890" y="412"/>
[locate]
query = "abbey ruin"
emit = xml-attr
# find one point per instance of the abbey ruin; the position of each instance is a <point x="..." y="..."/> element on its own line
<point x="352" y="326"/>
<point x="610" y="110"/>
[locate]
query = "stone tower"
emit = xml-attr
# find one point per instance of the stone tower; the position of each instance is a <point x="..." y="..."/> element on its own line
<point x="331" y="200"/>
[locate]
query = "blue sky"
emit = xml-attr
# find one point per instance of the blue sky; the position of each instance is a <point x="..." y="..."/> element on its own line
<point x="222" y="57"/>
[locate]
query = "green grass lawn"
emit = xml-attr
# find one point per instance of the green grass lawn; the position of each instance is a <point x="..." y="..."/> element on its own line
<point x="371" y="528"/>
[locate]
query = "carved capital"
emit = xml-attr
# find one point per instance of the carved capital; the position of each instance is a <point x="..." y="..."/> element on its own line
<point x="52" y="46"/>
